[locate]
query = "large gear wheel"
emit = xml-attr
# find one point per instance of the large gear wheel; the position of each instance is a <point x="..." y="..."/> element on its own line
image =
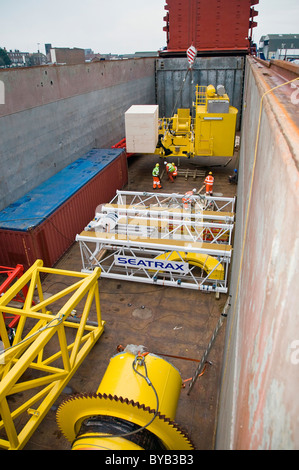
<point x="76" y="409"/>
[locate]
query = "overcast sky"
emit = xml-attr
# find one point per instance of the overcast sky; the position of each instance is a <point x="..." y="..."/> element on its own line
<point x="117" y="26"/>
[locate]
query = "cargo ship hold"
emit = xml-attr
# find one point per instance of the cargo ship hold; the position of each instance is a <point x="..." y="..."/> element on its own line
<point x="132" y="318"/>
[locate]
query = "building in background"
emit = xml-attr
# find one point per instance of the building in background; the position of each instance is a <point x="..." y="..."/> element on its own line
<point x="90" y="56"/>
<point x="18" y="58"/>
<point x="279" y="46"/>
<point x="26" y="59"/>
<point x="65" y="55"/>
<point x="287" y="54"/>
<point x="48" y="48"/>
<point x="37" y="58"/>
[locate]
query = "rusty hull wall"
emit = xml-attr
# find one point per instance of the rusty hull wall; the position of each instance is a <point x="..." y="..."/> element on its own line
<point x="259" y="405"/>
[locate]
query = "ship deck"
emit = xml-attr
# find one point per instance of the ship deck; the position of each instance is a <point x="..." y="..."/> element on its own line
<point x="170" y="321"/>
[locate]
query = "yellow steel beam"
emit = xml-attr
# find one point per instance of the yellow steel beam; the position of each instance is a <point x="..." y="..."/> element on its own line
<point x="37" y="326"/>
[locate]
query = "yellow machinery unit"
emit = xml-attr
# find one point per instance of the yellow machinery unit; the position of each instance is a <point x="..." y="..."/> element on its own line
<point x="210" y="133"/>
<point x="134" y="407"/>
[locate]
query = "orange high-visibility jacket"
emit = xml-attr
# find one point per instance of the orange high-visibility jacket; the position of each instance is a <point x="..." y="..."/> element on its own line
<point x="188" y="196"/>
<point x="209" y="180"/>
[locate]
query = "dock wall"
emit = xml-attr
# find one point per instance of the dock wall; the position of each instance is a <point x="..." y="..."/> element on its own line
<point x="51" y="115"/>
<point x="259" y="405"/>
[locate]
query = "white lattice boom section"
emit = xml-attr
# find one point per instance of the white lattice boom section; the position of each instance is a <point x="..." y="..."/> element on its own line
<point x="151" y="238"/>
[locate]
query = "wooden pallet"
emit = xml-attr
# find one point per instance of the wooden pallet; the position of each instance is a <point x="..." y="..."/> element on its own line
<point x="191" y="173"/>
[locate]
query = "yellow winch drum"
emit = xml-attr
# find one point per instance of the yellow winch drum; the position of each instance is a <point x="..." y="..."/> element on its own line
<point x="121" y="380"/>
<point x="134" y="408"/>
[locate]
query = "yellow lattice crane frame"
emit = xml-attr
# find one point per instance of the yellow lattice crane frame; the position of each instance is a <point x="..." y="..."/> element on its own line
<point x="48" y="345"/>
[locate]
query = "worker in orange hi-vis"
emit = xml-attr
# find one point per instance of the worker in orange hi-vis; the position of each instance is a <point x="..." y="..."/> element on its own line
<point x="171" y="171"/>
<point x="156" y="177"/>
<point x="188" y="199"/>
<point x="175" y="172"/>
<point x="209" y="181"/>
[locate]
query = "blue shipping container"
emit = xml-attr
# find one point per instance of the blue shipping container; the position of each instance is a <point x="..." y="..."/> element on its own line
<point x="38" y="204"/>
<point x="43" y="224"/>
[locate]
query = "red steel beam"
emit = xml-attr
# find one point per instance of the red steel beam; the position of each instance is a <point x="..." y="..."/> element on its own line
<point x="12" y="274"/>
<point x="122" y="145"/>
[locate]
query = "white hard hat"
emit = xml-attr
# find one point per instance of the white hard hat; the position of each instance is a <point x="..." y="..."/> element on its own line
<point x="194" y="190"/>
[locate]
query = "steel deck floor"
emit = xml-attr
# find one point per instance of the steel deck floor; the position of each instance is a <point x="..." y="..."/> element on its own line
<point x="166" y="320"/>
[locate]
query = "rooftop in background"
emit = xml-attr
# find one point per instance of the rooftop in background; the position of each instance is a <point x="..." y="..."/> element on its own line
<point x="281" y="36"/>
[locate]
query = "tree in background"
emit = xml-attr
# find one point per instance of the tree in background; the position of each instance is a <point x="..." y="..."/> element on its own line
<point x="4" y="59"/>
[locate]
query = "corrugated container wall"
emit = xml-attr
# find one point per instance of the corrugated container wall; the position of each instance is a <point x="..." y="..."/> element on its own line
<point x="210" y="25"/>
<point x="43" y="223"/>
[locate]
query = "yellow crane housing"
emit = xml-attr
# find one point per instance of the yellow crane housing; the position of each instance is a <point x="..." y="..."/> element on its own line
<point x="210" y="133"/>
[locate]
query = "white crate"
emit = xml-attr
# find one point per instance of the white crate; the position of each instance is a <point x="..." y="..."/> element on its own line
<point x="141" y="123"/>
